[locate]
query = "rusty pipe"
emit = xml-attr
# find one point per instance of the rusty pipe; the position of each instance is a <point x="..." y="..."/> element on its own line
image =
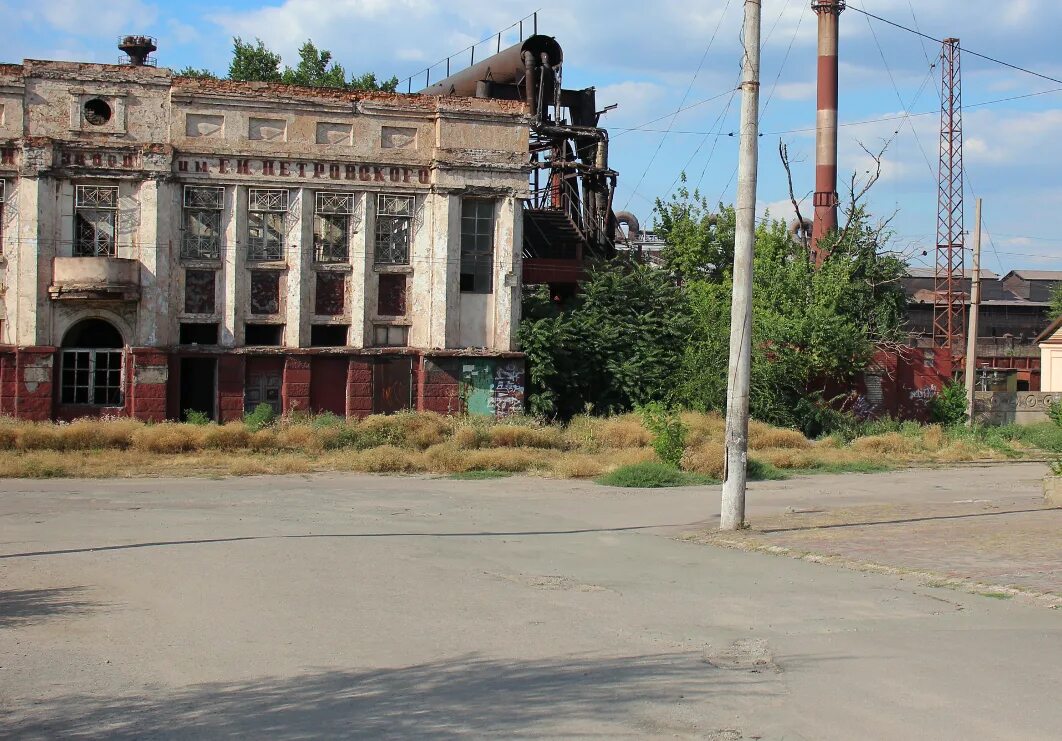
<point x="529" y="79"/>
<point x="505" y="67"/>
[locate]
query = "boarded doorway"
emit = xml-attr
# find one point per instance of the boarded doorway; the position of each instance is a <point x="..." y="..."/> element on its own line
<point x="328" y="385"/>
<point x="199" y="386"/>
<point x="392" y="385"/>
<point x="477" y="386"/>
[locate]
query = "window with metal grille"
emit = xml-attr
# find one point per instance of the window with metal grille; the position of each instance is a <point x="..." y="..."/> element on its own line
<point x="95" y="220"/>
<point x="477" y="245"/>
<point x="394" y="229"/>
<point x="92" y="377"/>
<point x="331" y="226"/>
<point x="391" y="299"/>
<point x="265" y="292"/>
<point x="202" y="222"/>
<point x="265" y="223"/>
<point x="330" y="296"/>
<point x="199" y="291"/>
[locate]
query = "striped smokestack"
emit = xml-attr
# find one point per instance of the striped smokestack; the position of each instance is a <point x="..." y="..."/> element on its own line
<point x="826" y="200"/>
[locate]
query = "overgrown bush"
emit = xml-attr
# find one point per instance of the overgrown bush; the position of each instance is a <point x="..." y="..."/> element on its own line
<point x="195" y="417"/>
<point x="260" y="417"/>
<point x="652" y="476"/>
<point x="668" y="431"/>
<point x="1054" y="413"/>
<point x="948" y="407"/>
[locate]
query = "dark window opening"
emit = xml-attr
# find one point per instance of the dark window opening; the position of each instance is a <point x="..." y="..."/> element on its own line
<point x="330" y="297"/>
<point x="267" y="335"/>
<point x="199" y="291"/>
<point x="92" y="333"/>
<point x="97" y="112"/>
<point x="198" y="386"/>
<point x="196" y="333"/>
<point x="265" y="292"/>
<point x="391" y="300"/>
<point x="328" y="335"/>
<point x="477" y="245"/>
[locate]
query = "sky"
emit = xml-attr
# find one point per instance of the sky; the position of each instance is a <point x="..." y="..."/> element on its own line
<point x="653" y="59"/>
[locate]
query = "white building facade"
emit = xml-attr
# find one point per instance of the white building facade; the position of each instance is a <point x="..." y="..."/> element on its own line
<point x="172" y="244"/>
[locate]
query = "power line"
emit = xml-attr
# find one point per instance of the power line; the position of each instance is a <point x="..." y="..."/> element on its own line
<point x="861" y="122"/>
<point x="961" y="48"/>
<point x="682" y="102"/>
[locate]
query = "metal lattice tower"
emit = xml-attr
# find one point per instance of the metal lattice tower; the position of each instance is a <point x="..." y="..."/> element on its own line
<point x="949" y="306"/>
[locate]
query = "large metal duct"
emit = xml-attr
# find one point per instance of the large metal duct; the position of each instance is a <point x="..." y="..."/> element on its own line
<point x="509" y="66"/>
<point x="634" y="230"/>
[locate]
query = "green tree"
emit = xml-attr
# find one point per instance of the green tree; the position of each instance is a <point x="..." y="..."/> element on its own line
<point x="315" y="69"/>
<point x="201" y="74"/>
<point x="368" y="82"/>
<point x="1056" y="301"/>
<point x="700" y="242"/>
<point x="253" y="62"/>
<point x="618" y="346"/>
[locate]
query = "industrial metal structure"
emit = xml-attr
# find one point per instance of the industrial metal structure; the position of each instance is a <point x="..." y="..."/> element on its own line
<point x="826" y="199"/>
<point x="949" y="308"/>
<point x="568" y="218"/>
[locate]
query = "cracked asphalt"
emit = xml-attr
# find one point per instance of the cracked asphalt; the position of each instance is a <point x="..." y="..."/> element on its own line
<point x="406" y="607"/>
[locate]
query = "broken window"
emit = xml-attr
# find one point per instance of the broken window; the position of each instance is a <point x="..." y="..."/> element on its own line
<point x="390" y="335"/>
<point x="331" y="226"/>
<point x="199" y="291"/>
<point x="394" y="229"/>
<point x="268" y="335"/>
<point x="328" y="335"/>
<point x="266" y="210"/>
<point x="477" y="245"/>
<point x="91" y="365"/>
<point x="195" y="333"/>
<point x="95" y="220"/>
<point x="391" y="300"/>
<point x="330" y="296"/>
<point x="265" y="292"/>
<point x="202" y="222"/>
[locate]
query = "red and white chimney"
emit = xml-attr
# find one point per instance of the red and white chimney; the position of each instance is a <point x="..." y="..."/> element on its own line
<point x="826" y="199"/>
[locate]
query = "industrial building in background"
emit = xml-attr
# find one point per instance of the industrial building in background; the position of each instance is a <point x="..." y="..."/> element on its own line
<point x="174" y="244"/>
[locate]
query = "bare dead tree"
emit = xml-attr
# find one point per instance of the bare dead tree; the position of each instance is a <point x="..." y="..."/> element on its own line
<point x="783" y="154"/>
<point x="858" y="190"/>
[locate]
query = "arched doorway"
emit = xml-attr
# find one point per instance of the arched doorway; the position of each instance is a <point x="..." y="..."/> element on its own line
<point x="91" y="370"/>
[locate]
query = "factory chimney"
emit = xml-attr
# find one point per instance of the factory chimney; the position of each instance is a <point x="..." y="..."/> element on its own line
<point x="826" y="199"/>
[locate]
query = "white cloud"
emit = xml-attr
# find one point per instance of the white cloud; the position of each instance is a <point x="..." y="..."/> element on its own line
<point x="84" y="17"/>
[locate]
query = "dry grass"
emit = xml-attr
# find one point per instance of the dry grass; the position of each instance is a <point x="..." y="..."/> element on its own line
<point x="587" y="447"/>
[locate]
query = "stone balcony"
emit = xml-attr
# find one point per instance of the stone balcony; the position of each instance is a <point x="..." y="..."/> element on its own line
<point x="95" y="279"/>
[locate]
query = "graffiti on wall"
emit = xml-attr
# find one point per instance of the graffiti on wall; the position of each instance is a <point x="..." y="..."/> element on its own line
<point x="509" y="388"/>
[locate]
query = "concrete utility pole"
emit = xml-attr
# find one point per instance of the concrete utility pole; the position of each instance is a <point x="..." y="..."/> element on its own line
<point x="737" y="389"/>
<point x="975" y="306"/>
<point x="826" y="198"/>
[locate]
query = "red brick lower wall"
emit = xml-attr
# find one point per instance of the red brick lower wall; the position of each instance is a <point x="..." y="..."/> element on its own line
<point x="29" y="377"/>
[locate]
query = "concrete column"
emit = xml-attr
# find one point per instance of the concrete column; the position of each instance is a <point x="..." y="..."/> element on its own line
<point x="362" y="277"/>
<point x="508" y="241"/>
<point x="157" y="245"/>
<point x="233" y="275"/>
<point x="29" y="268"/>
<point x="421" y="286"/>
<point x="299" y="248"/>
